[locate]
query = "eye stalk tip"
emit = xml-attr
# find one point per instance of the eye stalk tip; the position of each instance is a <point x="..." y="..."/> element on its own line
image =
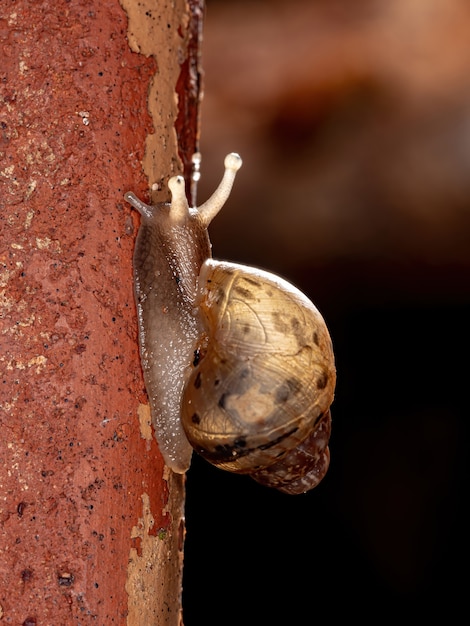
<point x="233" y="162"/>
<point x="175" y="184"/>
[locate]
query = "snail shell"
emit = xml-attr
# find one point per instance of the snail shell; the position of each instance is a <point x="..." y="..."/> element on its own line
<point x="263" y="380"/>
<point x="238" y="363"/>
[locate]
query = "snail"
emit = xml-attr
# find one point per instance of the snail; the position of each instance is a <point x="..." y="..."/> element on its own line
<point x="238" y="363"/>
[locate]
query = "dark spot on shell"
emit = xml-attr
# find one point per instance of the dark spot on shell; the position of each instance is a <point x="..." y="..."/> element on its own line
<point x="241" y="381"/>
<point x="239" y="448"/>
<point x="274" y="442"/>
<point x="195" y="418"/>
<point x="216" y="382"/>
<point x="222" y="400"/>
<point x="279" y="323"/>
<point x="315" y="338"/>
<point x="220" y="295"/>
<point x="197" y="357"/>
<point x="322" y="416"/>
<point x="322" y="381"/>
<point x="282" y="393"/>
<point x="244" y="294"/>
<point x="20" y="508"/>
<point x="223" y="448"/>
<point x="29" y="621"/>
<point x="197" y="380"/>
<point x="295" y="323"/>
<point x="252" y="281"/>
<point x="228" y="451"/>
<point x="293" y="384"/>
<point x="246" y="329"/>
<point x="298" y="330"/>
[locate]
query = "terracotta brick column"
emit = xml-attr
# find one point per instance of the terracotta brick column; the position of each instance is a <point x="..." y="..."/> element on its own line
<point x="96" y="98"/>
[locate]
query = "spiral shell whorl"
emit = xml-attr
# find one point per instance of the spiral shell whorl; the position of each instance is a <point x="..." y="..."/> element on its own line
<point x="303" y="467"/>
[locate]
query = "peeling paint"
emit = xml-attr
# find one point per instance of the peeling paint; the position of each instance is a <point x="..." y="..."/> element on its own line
<point x="140" y="568"/>
<point x="145" y="422"/>
<point x="147" y="26"/>
<point x="155" y="562"/>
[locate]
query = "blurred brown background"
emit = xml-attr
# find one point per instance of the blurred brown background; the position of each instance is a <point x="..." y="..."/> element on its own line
<point x="353" y="121"/>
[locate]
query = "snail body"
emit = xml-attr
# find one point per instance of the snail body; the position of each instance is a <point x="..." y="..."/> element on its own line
<point x="238" y="363"/>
